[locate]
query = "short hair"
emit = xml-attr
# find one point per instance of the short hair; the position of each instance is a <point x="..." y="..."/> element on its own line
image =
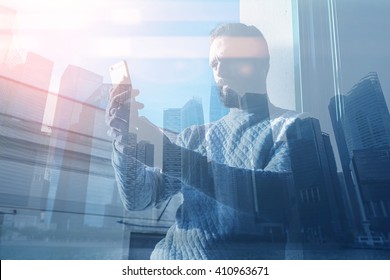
<point x="236" y="29"/>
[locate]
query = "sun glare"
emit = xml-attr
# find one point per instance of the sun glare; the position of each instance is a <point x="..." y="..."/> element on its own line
<point x="126" y="16"/>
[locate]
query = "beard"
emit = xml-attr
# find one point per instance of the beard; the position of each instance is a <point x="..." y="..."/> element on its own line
<point x="249" y="101"/>
<point x="229" y="97"/>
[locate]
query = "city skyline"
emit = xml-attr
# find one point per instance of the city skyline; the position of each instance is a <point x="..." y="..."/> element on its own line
<point x="55" y="154"/>
<point x="172" y="73"/>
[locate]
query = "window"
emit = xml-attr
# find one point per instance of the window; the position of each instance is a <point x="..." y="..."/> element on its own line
<point x="57" y="182"/>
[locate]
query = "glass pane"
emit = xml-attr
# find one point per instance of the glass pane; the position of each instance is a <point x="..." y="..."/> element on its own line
<point x="344" y="85"/>
<point x="266" y="142"/>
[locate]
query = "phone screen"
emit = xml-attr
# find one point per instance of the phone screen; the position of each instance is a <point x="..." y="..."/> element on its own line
<point x="119" y="72"/>
<point x="120" y="76"/>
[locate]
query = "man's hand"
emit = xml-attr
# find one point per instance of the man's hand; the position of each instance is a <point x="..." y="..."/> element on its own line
<point x="122" y="110"/>
<point x="122" y="118"/>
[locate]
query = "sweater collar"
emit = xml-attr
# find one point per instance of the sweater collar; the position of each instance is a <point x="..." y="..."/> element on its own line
<point x="254" y="104"/>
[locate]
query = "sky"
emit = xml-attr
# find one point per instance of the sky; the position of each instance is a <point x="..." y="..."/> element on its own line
<point x="165" y="43"/>
<point x="364" y="42"/>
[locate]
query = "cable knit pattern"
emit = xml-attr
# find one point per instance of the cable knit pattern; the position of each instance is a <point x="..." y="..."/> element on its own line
<point x="221" y="164"/>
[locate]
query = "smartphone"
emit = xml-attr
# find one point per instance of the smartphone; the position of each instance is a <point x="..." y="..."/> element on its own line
<point x="119" y="73"/>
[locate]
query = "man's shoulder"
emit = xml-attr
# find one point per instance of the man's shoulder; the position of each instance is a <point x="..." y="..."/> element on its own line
<point x="287" y="117"/>
<point x="283" y="120"/>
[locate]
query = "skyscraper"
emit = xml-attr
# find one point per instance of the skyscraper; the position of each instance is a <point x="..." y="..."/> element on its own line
<point x="365" y="116"/>
<point x="360" y="121"/>
<point x="7" y="25"/>
<point x="26" y="88"/>
<point x="192" y="113"/>
<point x="171" y="156"/>
<point x="23" y="94"/>
<point x="371" y="169"/>
<point x="175" y="120"/>
<point x="172" y="119"/>
<point x="73" y="136"/>
<point x="315" y="181"/>
<point x="76" y="84"/>
<point x="145" y="152"/>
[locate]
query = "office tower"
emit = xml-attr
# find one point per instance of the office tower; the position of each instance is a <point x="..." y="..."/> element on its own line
<point x="175" y="120"/>
<point x="26" y="89"/>
<point x="76" y="84"/>
<point x="371" y="169"/>
<point x="35" y="72"/>
<point x="360" y="121"/>
<point x="192" y="113"/>
<point x="24" y="150"/>
<point x="172" y="119"/>
<point x="217" y="109"/>
<point x="7" y="26"/>
<point x="315" y="181"/>
<point x="145" y="152"/>
<point x="337" y="192"/>
<point x="171" y="156"/>
<point x="24" y="85"/>
<point x="80" y="165"/>
<point x="364" y="115"/>
<point x="100" y="97"/>
<point x="73" y="128"/>
<point x="23" y="177"/>
<point x="85" y="81"/>
<point x="114" y="208"/>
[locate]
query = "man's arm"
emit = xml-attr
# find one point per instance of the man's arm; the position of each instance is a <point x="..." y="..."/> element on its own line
<point x="140" y="186"/>
<point x="242" y="189"/>
<point x="246" y="190"/>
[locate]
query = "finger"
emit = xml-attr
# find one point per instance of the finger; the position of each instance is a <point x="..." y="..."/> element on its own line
<point x="116" y="133"/>
<point x="119" y="125"/>
<point x="123" y="148"/>
<point x="121" y="97"/>
<point x="123" y="112"/>
<point x="123" y="86"/>
<point x="113" y="133"/>
<point x="117" y="113"/>
<point x="117" y="89"/>
<point x="111" y="108"/>
<point x="125" y="92"/>
<point x="118" y="136"/>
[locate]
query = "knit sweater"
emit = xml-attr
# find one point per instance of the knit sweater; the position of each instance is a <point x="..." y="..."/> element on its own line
<point x="226" y="166"/>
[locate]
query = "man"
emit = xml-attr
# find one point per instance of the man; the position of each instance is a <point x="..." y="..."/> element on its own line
<point x="235" y="172"/>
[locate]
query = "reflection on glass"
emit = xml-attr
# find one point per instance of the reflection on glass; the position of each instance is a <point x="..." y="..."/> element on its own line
<point x="361" y="124"/>
<point x="254" y="182"/>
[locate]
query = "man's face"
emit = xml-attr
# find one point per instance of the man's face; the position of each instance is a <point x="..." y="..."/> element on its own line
<point x="238" y="64"/>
